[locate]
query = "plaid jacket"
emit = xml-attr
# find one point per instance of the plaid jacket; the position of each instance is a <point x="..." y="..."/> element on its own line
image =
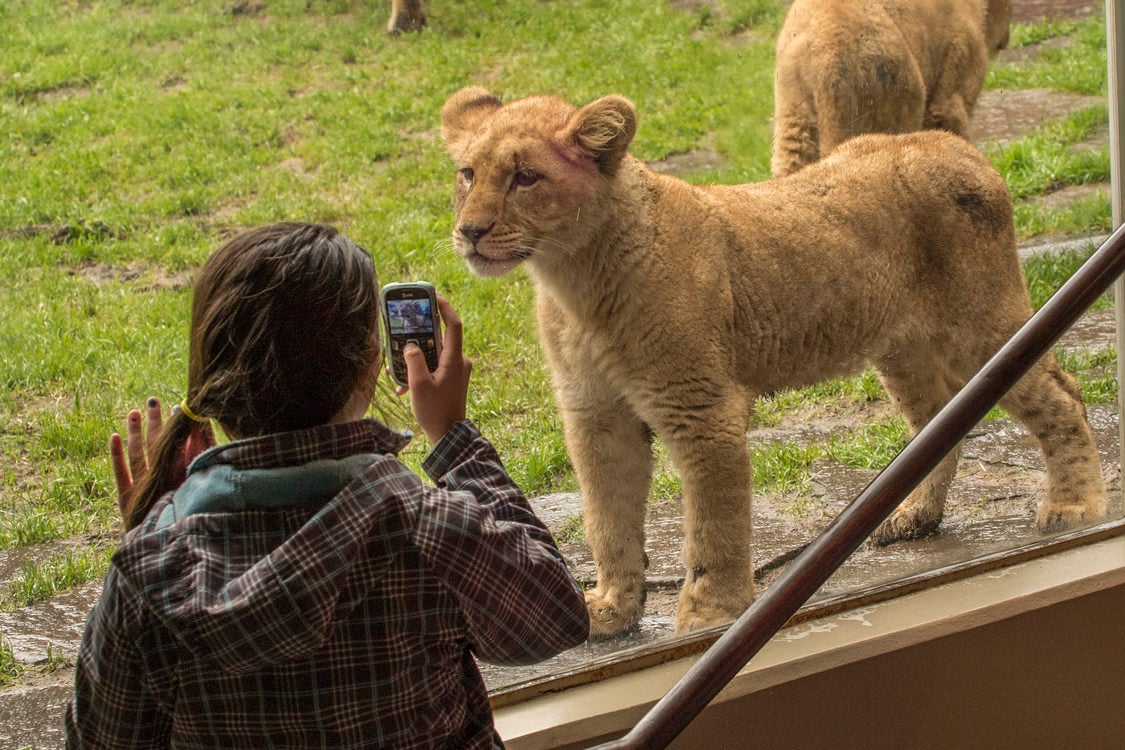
<point x="306" y="589"/>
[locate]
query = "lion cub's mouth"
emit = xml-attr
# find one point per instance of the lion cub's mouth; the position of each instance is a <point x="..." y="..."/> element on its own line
<point x="487" y="263"/>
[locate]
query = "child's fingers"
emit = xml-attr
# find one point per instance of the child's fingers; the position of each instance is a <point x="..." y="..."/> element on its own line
<point x="134" y="444"/>
<point x="154" y="423"/>
<point x="417" y="371"/>
<point x="452" y="338"/>
<point x="121" y="476"/>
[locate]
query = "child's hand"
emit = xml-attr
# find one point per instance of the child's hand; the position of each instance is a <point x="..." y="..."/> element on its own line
<point x="138" y="444"/>
<point x="131" y="456"/>
<point x="438" y="398"/>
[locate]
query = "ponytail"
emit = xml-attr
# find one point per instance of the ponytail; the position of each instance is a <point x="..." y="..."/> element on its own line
<point x="179" y="442"/>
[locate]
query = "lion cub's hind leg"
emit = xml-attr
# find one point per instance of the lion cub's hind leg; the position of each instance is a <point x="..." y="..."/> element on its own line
<point x="1047" y="401"/>
<point x="919" y="387"/>
<point x="795" y="139"/>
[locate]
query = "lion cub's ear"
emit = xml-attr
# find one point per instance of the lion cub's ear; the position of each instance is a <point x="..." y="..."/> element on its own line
<point x="462" y="114"/>
<point x="604" y="128"/>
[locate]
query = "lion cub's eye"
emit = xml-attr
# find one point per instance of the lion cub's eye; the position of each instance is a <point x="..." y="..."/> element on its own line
<point x="525" y="178"/>
<point x="466" y="174"/>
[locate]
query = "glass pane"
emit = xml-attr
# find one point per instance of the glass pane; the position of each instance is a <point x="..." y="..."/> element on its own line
<point x="815" y="449"/>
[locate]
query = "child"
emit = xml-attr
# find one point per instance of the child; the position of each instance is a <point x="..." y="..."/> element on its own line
<point x="300" y="586"/>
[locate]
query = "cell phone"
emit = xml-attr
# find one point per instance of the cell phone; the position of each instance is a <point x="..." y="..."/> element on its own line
<point x="410" y="310"/>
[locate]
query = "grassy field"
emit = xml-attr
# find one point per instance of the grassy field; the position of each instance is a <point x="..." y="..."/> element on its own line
<point x="139" y="135"/>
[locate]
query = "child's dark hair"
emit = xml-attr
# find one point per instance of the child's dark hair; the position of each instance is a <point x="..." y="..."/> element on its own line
<point x="284" y="327"/>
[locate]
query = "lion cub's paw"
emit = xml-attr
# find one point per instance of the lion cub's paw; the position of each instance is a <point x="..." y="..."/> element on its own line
<point x="687" y="622"/>
<point x="708" y="601"/>
<point x="903" y="525"/>
<point x="610" y="616"/>
<point x="1054" y="517"/>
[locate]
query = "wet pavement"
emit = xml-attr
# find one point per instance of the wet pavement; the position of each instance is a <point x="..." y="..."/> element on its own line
<point x="990" y="508"/>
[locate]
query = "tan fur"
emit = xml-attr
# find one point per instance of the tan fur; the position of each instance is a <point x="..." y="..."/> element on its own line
<point x="406" y="15"/>
<point x="669" y="306"/>
<point x="846" y="67"/>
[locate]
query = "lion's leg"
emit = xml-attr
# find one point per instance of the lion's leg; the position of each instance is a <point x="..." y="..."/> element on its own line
<point x="952" y="113"/>
<point x="406" y="15"/>
<point x="714" y="466"/>
<point x="1048" y="403"/>
<point x="795" y="136"/>
<point x="919" y="392"/>
<point x="956" y="89"/>
<point x="612" y="457"/>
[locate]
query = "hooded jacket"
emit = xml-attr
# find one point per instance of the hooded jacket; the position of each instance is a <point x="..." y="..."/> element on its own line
<point x="306" y="589"/>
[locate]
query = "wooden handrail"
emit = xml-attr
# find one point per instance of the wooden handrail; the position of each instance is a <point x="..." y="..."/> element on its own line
<point x="809" y="570"/>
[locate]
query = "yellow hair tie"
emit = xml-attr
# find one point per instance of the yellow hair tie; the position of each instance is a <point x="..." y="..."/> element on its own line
<point x="190" y="414"/>
<point x="218" y="432"/>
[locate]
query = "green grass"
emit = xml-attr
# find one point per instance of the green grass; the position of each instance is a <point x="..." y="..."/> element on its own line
<point x="844" y="392"/>
<point x="10" y="667"/>
<point x="1079" y="66"/>
<point x="1045" y="273"/>
<point x="872" y="446"/>
<point x="137" y="136"/>
<point x="571" y="529"/>
<point x="1055" y="156"/>
<point x="782" y="468"/>
<point x="1049" y="158"/>
<point x="12" y="670"/>
<point x="38" y="581"/>
<point x="1096" y="372"/>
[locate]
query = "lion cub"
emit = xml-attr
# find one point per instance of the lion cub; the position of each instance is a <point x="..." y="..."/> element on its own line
<point x="846" y="67"/>
<point x="669" y="306"/>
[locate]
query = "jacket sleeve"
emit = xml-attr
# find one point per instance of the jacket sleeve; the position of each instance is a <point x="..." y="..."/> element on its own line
<point x="483" y="539"/>
<point x="114" y="704"/>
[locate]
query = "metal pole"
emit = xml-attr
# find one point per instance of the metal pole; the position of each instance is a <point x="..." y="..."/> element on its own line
<point x="1115" y="60"/>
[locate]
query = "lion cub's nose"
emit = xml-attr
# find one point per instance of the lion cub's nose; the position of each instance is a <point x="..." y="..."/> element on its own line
<point x="472" y="232"/>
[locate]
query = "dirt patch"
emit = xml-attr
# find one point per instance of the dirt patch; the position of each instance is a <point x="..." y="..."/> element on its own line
<point x="1072" y="194"/>
<point x="688" y="162"/>
<point x="1031" y="52"/>
<point x="1030" y="11"/>
<point x="149" y="277"/>
<point x="1006" y="114"/>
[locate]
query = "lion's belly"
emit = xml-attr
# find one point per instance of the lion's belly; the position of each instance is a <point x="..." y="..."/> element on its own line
<point x="798" y="362"/>
<point x="808" y="344"/>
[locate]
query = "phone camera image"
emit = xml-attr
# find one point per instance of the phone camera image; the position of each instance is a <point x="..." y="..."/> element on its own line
<point x="411" y="314"/>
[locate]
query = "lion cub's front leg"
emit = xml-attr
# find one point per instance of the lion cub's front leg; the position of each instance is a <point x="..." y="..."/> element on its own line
<point x="719" y="574"/>
<point x="612" y="457"/>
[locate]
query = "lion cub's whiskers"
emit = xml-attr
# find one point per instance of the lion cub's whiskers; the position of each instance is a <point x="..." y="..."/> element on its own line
<point x="552" y="243"/>
<point x="442" y="246"/>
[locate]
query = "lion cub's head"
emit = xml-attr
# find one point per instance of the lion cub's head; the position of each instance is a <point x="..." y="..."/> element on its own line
<point x="530" y="173"/>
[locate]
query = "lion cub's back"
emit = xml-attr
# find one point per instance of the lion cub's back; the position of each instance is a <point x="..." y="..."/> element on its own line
<point x="929" y="178"/>
<point x="924" y="210"/>
<point x="934" y="175"/>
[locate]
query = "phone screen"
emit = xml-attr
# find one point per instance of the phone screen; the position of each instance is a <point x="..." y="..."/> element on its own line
<point x="406" y="316"/>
